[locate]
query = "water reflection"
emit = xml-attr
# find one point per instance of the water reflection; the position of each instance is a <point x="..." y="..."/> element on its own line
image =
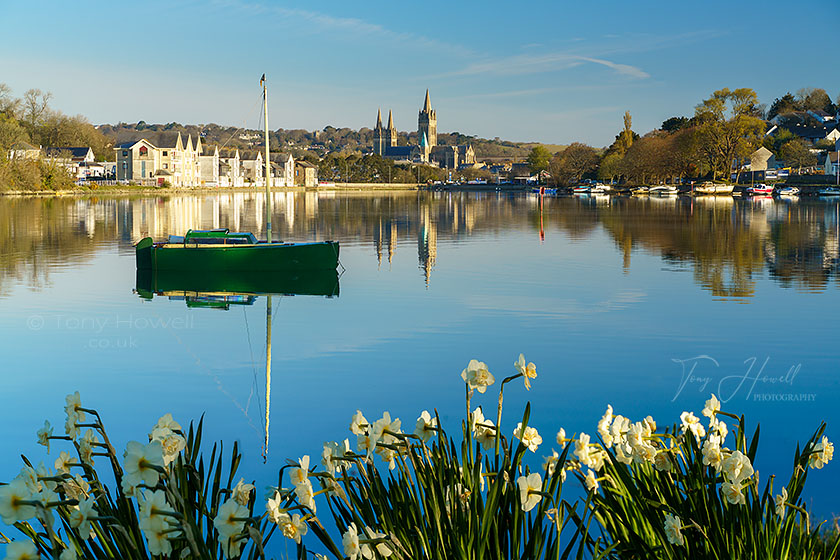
<point x="727" y="243"/>
<point x="223" y="289"/>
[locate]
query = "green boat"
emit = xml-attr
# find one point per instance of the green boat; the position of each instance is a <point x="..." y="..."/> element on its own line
<point x="220" y="250"/>
<point x="217" y="250"/>
<point x="196" y="283"/>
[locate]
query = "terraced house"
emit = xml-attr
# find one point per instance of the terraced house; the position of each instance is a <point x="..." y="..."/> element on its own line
<point x="170" y="160"/>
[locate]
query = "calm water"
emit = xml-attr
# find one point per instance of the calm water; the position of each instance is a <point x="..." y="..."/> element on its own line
<point x="612" y="304"/>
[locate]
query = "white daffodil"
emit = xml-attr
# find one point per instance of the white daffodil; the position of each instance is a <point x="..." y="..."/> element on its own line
<point x="582" y="450"/>
<point x="737" y="467"/>
<point x="712" y="407"/>
<point x="550" y="463"/>
<point x="140" y="462"/>
<point x="477" y="376"/>
<point x="73" y="406"/>
<point x="527" y="486"/>
<point x="384" y="429"/>
<point x="305" y="495"/>
<point x="231" y="545"/>
<point x="30" y="478"/>
<point x="691" y="423"/>
<point x="358" y="424"/>
<point x="529" y="436"/>
<point x="350" y="542"/>
<point x="158" y="542"/>
<point x="781" y="500"/>
<point x="44" y="435"/>
<point x="712" y="454"/>
<point x="81" y="515"/>
<point x="68" y="554"/>
<point x="604" y="426"/>
<point x="485" y="433"/>
<point x="274" y="507"/>
<point x="381" y="548"/>
<point x="22" y="550"/>
<point x="229" y="520"/>
<point x="618" y="430"/>
<point x="86" y="445"/>
<point x="388" y="456"/>
<point x="242" y="492"/>
<point x="528" y="372"/>
<point x="151" y="508"/>
<point x="561" y="438"/>
<point x="64" y="462"/>
<point x="673" y="527"/>
<point x="650" y="423"/>
<point x="333" y="454"/>
<point x="821" y="454"/>
<point x="662" y="461"/>
<point x="590" y="481"/>
<point x="732" y="491"/>
<point x="13" y="502"/>
<point x="300" y="473"/>
<point x="166" y="422"/>
<point x="76" y="488"/>
<point x="719" y="427"/>
<point x="43" y="472"/>
<point x="425" y="427"/>
<point x="292" y="527"/>
<point x="171" y="442"/>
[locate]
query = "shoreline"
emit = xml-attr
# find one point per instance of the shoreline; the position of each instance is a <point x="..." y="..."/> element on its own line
<point x="127" y="190"/>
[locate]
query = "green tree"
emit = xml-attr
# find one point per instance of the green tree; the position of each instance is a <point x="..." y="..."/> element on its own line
<point x="784" y="104"/>
<point x="728" y="127"/>
<point x="674" y="124"/>
<point x="10" y="132"/>
<point x="610" y="167"/>
<point x="539" y="159"/>
<point x="9" y="105"/>
<point x="815" y="99"/>
<point x="573" y="164"/>
<point x="774" y="142"/>
<point x="797" y="153"/>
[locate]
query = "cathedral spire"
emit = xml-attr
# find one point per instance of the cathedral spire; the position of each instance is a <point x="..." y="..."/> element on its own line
<point x="427" y="106"/>
<point x="378" y="119"/>
<point x="390" y="120"/>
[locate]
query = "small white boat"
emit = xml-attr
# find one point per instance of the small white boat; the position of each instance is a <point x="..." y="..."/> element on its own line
<point x="599" y="188"/>
<point x="713" y="188"/>
<point x="760" y="188"/>
<point x="788" y="191"/>
<point x="580" y="189"/>
<point x="830" y="191"/>
<point x="663" y="189"/>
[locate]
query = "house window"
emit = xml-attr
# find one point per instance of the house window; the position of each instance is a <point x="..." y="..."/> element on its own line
<point x="125" y="153"/>
<point x="144" y="151"/>
<point x="165" y="153"/>
<point x="166" y="166"/>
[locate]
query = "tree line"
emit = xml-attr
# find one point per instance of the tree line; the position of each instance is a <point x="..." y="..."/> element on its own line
<point x="727" y="126"/>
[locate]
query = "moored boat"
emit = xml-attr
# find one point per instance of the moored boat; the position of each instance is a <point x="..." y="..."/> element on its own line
<point x="788" y="191"/>
<point x="709" y="187"/>
<point x="663" y="189"/>
<point x="830" y="191"/>
<point x="221" y="250"/>
<point x="759" y="188"/>
<point x="218" y="250"/>
<point x="580" y="189"/>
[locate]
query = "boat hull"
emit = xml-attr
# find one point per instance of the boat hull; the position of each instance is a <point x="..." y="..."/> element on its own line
<point x="179" y="282"/>
<point x="262" y="257"/>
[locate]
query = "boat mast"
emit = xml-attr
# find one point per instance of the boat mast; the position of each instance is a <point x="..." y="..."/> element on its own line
<point x="267" y="164"/>
<point x="267" y="372"/>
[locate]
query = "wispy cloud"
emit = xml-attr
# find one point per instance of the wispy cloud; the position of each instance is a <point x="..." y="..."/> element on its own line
<point x="544" y="63"/>
<point x="346" y="25"/>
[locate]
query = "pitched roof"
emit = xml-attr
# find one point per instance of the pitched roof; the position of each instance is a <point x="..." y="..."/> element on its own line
<point x="74" y="152"/>
<point x="24" y="146"/>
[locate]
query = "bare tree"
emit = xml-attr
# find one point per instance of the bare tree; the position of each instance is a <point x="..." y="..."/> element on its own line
<point x="35" y="107"/>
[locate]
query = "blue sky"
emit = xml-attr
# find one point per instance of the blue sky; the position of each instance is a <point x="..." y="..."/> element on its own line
<point x="552" y="71"/>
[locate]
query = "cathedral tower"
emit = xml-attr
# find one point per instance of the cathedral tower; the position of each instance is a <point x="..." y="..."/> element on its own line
<point x="391" y="132"/>
<point x="427" y="123"/>
<point x="379" y="135"/>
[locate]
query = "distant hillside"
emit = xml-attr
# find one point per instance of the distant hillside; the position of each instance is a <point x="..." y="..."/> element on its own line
<point x="302" y="142"/>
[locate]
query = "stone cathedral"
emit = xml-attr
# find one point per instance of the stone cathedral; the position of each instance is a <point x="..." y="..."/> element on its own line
<point x="428" y="151"/>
